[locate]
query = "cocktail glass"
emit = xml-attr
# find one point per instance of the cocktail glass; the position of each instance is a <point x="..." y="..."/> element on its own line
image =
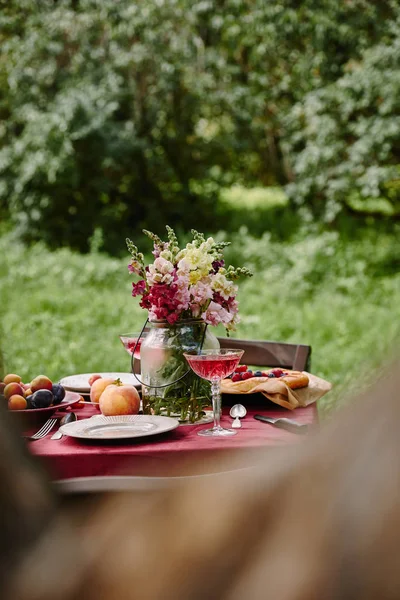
<point x="215" y="365"/>
<point x="132" y="342"/>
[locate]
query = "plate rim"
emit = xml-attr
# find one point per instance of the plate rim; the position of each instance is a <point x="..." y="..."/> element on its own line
<point x="65" y="429"/>
<point x="86" y="389"/>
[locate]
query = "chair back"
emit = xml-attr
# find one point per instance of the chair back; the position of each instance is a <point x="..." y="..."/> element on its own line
<point x="271" y="354"/>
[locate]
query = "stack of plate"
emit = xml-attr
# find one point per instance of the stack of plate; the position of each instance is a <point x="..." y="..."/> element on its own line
<point x="80" y="383"/>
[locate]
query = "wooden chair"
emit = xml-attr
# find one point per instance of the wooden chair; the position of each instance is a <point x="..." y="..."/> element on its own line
<point x="262" y="353"/>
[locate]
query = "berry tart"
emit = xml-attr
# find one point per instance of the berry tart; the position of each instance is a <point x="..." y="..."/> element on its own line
<point x="244" y="380"/>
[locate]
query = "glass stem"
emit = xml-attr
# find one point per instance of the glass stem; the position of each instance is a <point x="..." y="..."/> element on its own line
<point x="216" y="402"/>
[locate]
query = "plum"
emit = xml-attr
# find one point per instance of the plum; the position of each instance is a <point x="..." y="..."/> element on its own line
<point x="58" y="393"/>
<point x="29" y="402"/>
<point x="41" y="399"/>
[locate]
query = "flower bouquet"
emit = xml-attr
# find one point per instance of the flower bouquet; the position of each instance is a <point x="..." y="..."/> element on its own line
<point x="184" y="291"/>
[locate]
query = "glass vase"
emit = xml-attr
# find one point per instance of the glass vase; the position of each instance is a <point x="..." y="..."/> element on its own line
<point x="170" y="387"/>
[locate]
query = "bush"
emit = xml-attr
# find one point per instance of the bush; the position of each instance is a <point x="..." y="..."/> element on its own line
<point x="116" y="115"/>
<point x="344" y="139"/>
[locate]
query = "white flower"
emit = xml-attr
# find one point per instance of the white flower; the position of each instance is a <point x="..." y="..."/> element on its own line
<point x="160" y="271"/>
<point x="163" y="266"/>
<point x="166" y="254"/>
<point x="183" y="267"/>
<point x="224" y="286"/>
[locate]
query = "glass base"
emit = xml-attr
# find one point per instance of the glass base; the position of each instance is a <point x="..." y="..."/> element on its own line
<point x="217" y="432"/>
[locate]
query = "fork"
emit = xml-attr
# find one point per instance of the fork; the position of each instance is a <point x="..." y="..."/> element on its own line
<point x="43" y="431"/>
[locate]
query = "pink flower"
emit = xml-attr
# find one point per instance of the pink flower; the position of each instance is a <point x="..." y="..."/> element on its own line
<point x="138" y="288"/>
<point x="165" y="302"/>
<point x="201" y="291"/>
<point x="216" y="314"/>
<point x="158" y="248"/>
<point x="134" y="267"/>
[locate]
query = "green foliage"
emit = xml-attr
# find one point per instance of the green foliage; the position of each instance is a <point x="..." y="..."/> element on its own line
<point x="62" y="312"/>
<point x="116" y="116"/>
<point x="344" y="137"/>
<point x="101" y="111"/>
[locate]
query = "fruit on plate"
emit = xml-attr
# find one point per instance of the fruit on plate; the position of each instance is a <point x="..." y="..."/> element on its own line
<point x="40" y="393"/>
<point x="17" y="402"/>
<point x="41" y="399"/>
<point x="119" y="399"/>
<point x="41" y="382"/>
<point x="58" y="393"/>
<point x="93" y="378"/>
<point x="13" y="389"/>
<point x="11" y="377"/>
<point x="98" y="388"/>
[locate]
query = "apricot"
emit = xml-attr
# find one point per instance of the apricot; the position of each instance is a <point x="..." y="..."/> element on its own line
<point x="11" y="378"/>
<point x="93" y="378"/>
<point x="118" y="399"/>
<point x="41" y="382"/>
<point x="13" y="389"/>
<point x="17" y="402"/>
<point x="98" y="388"/>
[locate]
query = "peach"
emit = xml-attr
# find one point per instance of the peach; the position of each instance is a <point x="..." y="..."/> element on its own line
<point x="17" y="402"/>
<point x="2" y="386"/>
<point x="41" y="382"/>
<point x="98" y="388"/>
<point x="11" y="378"/>
<point x="12" y="389"/>
<point x="119" y="399"/>
<point x="93" y="378"/>
<point x="28" y="392"/>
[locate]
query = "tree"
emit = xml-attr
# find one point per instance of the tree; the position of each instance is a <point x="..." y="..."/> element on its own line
<point x="120" y="114"/>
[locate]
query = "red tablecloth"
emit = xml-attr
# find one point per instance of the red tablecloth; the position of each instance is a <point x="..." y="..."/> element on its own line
<point x="164" y="454"/>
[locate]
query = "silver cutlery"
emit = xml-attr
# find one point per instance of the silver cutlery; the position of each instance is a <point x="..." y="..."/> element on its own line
<point x="43" y="431"/>
<point x="284" y="423"/>
<point x="68" y="418"/>
<point x="237" y="412"/>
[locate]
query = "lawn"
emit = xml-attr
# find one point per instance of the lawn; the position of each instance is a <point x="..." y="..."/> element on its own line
<point x="62" y="312"/>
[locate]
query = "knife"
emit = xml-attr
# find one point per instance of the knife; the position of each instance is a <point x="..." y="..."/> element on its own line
<point x="287" y="424"/>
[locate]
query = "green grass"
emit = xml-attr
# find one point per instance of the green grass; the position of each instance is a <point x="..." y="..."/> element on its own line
<point x="263" y="198"/>
<point x="62" y="312"/>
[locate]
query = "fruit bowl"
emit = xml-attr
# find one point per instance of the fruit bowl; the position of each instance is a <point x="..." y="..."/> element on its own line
<point x="36" y="416"/>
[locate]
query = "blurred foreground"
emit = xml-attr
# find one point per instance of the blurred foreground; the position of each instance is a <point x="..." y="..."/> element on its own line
<point x="318" y="521"/>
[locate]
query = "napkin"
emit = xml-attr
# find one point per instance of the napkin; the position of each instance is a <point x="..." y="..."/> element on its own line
<point x="279" y="392"/>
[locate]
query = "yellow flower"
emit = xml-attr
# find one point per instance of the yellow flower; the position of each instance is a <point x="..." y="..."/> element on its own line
<point x="195" y="276"/>
<point x="198" y="260"/>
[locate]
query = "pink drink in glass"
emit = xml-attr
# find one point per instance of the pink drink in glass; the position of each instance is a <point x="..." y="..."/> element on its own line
<point x="132" y="343"/>
<point x="214" y="365"/>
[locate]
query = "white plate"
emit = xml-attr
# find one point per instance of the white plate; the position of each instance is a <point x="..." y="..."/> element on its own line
<point x="119" y="428"/>
<point x="80" y="383"/>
